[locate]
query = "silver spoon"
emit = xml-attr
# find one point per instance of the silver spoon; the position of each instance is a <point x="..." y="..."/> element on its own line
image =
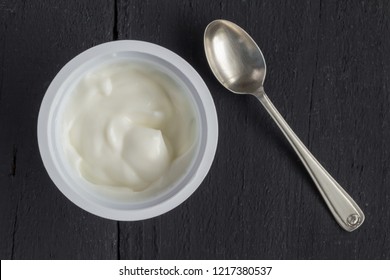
<point x="239" y="65"/>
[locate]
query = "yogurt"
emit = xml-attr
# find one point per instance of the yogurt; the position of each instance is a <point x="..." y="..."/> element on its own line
<point x="129" y="125"/>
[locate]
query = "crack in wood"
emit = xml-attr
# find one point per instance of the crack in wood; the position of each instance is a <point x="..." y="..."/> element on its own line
<point x="118" y="240"/>
<point x="313" y="79"/>
<point x="115" y="27"/>
<point x="14" y="232"/>
<point x="13" y="163"/>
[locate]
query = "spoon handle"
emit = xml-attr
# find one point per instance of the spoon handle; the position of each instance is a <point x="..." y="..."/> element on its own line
<point x="345" y="210"/>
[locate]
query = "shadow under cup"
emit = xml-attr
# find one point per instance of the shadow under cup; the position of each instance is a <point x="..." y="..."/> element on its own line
<point x="112" y="202"/>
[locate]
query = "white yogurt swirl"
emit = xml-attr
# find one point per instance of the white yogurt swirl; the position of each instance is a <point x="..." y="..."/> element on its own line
<point x="128" y="124"/>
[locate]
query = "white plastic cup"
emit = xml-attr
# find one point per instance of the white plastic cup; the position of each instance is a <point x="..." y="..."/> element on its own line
<point x="80" y="191"/>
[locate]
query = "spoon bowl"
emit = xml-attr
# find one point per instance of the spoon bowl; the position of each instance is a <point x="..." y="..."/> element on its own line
<point x="239" y="65"/>
<point x="235" y="59"/>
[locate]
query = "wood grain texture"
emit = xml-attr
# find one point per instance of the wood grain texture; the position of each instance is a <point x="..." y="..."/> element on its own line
<point x="328" y="74"/>
<point x="37" y="221"/>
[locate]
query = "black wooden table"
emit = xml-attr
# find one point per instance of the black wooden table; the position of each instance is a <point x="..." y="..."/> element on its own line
<point x="328" y="74"/>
